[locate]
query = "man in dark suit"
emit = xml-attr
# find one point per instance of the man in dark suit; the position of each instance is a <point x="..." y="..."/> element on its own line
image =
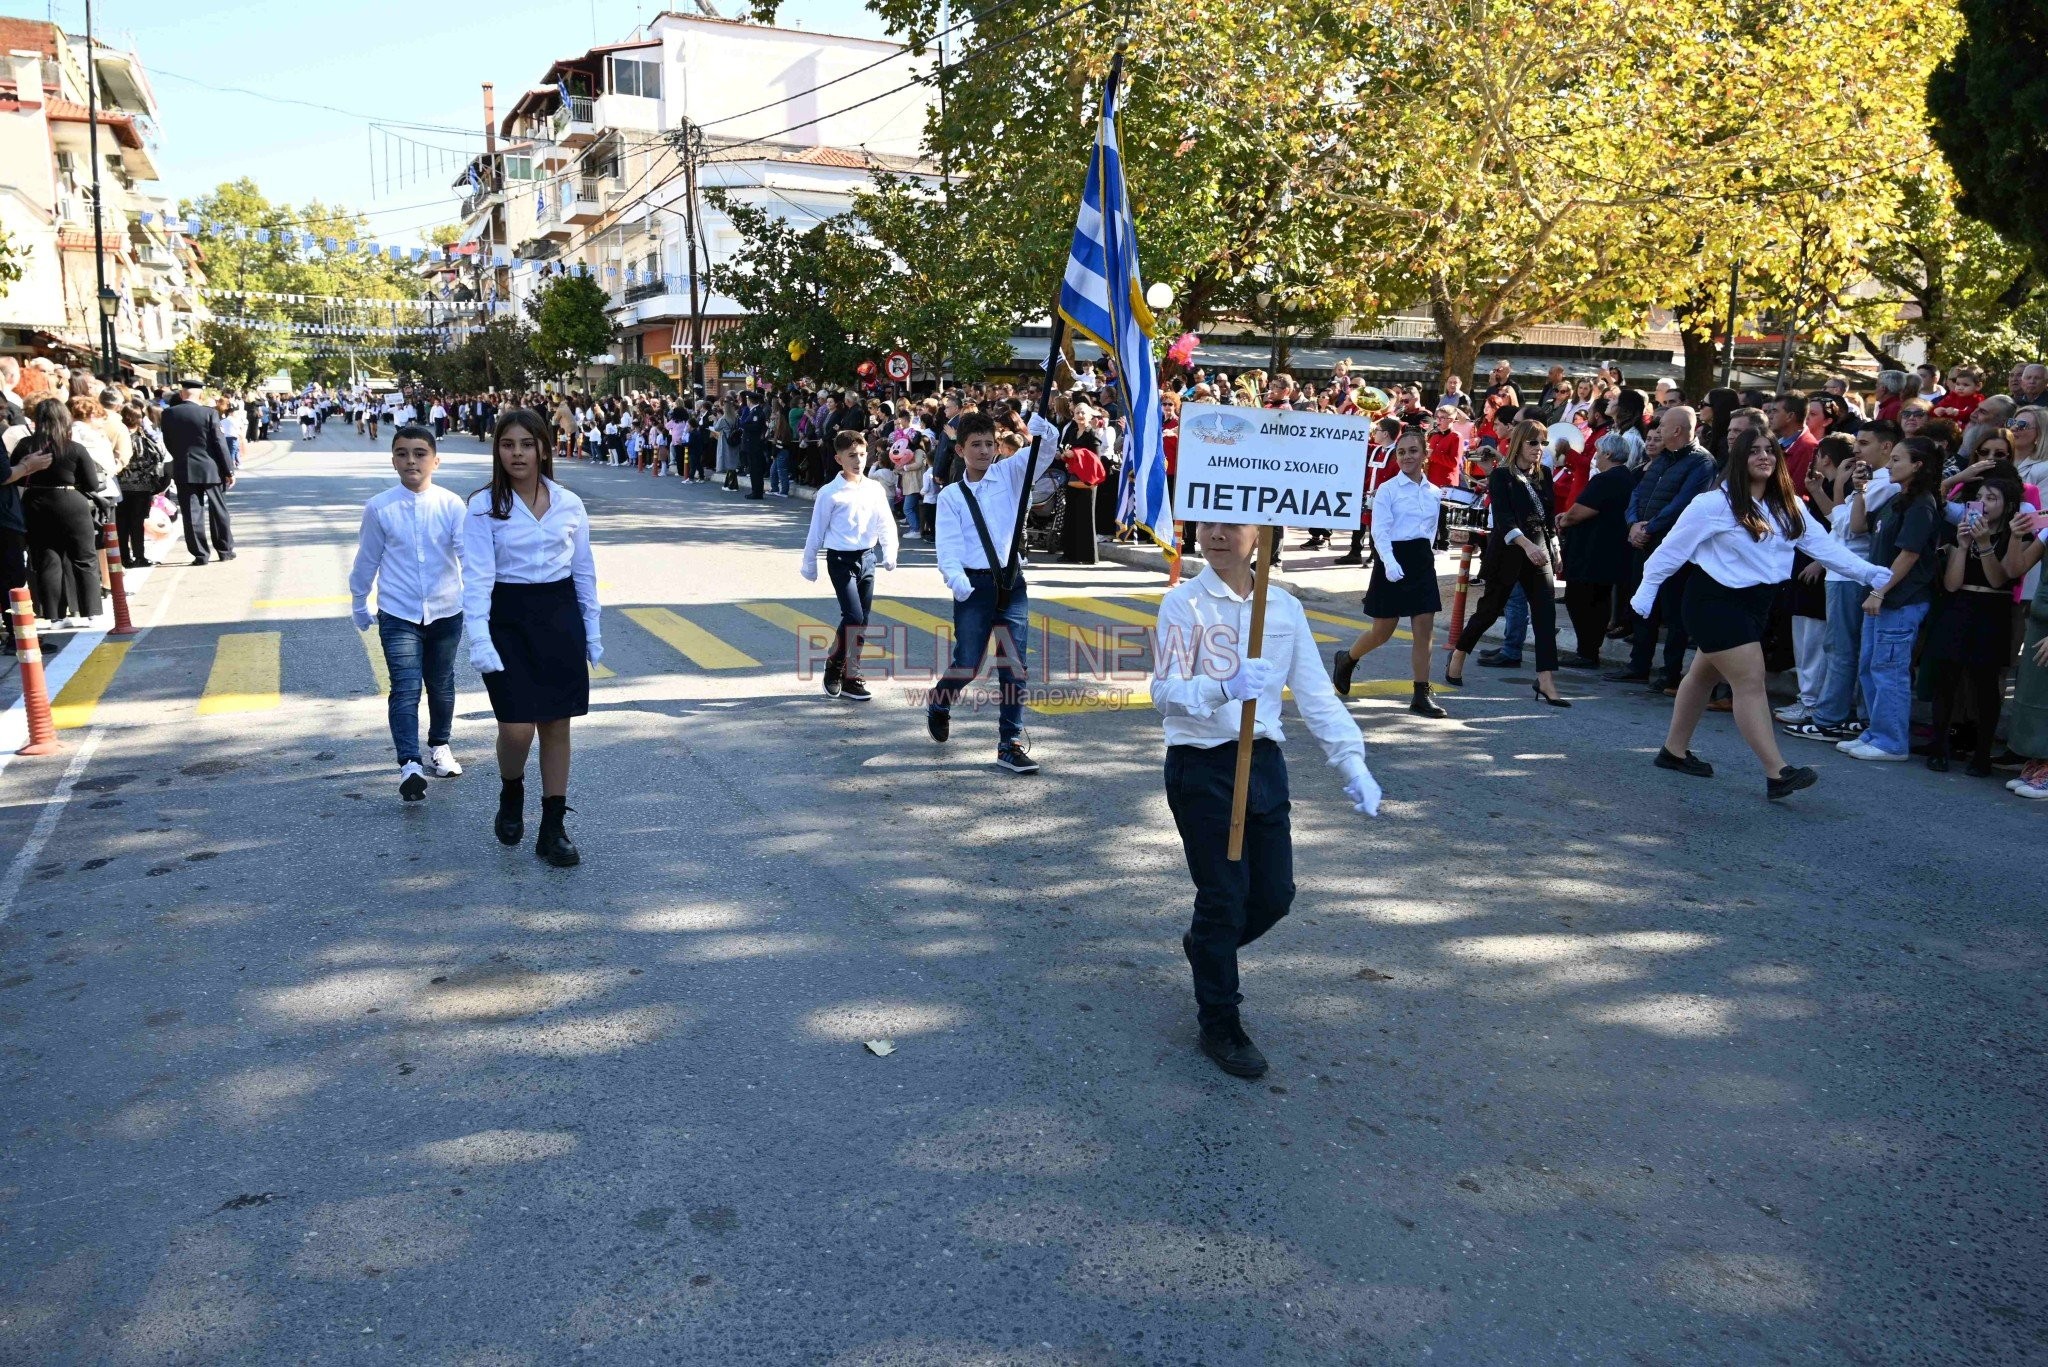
<point x="199" y="465"/>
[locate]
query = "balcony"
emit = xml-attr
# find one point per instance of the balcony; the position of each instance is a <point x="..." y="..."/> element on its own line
<point x="574" y="124"/>
<point x="665" y="297"/>
<point x="582" y="204"/>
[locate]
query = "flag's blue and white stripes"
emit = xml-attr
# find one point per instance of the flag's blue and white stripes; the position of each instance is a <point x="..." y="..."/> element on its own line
<point x="1103" y="298"/>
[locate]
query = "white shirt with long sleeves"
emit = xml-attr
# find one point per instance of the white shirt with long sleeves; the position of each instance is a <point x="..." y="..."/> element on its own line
<point x="959" y="545"/>
<point x="1877" y="491"/>
<point x="1403" y="509"/>
<point x="1204" y="628"/>
<point x="1707" y="535"/>
<point x="524" y="549"/>
<point x="410" y="547"/>
<point x="850" y="517"/>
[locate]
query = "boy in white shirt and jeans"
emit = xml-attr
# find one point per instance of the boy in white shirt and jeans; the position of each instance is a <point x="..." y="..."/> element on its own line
<point x="410" y="548"/>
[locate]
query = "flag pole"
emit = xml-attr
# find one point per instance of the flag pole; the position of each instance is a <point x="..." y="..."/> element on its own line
<point x="1269" y="539"/>
<point x="1052" y="361"/>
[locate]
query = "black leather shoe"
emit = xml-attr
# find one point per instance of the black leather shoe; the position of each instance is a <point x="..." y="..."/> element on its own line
<point x="854" y="690"/>
<point x="1688" y="763"/>
<point x="939" y="724"/>
<point x="511" y="823"/>
<point x="1234" y="1051"/>
<point x="1341" y="665"/>
<point x="1493" y="659"/>
<point x="1790" y="780"/>
<point x="1625" y="676"/>
<point x="553" y="843"/>
<point x="1349" y="558"/>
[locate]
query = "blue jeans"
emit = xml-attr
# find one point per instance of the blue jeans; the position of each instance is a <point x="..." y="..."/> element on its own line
<point x="974" y="623"/>
<point x="416" y="654"/>
<point x="778" y="474"/>
<point x="913" y="524"/>
<point x="1887" y="676"/>
<point x="1837" y="703"/>
<point x="234" y="450"/>
<point x="1514" y="625"/>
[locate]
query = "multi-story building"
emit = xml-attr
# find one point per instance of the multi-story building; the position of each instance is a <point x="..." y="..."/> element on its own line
<point x="589" y="173"/>
<point x="46" y="186"/>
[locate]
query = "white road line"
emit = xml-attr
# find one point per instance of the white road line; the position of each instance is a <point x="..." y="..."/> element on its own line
<point x="46" y="823"/>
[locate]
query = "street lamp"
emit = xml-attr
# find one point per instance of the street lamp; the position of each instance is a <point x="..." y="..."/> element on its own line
<point x="1160" y="297"/>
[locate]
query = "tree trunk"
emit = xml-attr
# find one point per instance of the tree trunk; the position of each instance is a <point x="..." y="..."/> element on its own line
<point x="1702" y="358"/>
<point x="1460" y="355"/>
<point x="1283" y="352"/>
<point x="1884" y="358"/>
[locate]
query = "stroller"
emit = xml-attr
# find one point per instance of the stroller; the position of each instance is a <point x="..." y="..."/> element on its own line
<point x="1045" y="520"/>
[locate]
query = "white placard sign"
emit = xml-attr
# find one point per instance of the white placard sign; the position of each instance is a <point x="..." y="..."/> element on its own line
<point x="1270" y="466"/>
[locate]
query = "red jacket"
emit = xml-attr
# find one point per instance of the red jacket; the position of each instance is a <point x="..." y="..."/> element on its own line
<point x="1446" y="449"/>
<point x="1799" y="457"/>
<point x="1957" y="407"/>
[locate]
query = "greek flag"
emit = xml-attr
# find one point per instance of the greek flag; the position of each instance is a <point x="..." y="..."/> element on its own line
<point x="1103" y="299"/>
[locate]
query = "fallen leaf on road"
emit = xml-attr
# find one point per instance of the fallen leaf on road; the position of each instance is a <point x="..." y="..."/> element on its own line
<point x="880" y="1048"/>
<point x="1373" y="975"/>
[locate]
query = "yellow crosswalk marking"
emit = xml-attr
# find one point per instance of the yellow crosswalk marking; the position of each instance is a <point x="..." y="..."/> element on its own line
<point x="322" y="601"/>
<point x="75" y="702"/>
<point x="810" y="628"/>
<point x="696" y="644"/>
<point x="246" y="674"/>
<point x="1382" y="688"/>
<point x="1113" y="611"/>
<point x="602" y="672"/>
<point x="373" y="646"/>
<point x="912" y="617"/>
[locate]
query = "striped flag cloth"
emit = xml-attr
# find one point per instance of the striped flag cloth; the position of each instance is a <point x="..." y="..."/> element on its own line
<point x="1103" y="298"/>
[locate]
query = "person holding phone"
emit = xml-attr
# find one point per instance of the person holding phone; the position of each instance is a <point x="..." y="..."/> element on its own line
<point x="1970" y="642"/>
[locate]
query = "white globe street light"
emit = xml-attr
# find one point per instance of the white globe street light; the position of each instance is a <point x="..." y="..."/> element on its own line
<point x="1160" y="297"/>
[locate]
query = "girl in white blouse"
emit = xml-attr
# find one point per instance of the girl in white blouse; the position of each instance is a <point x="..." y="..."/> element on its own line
<point x="530" y="599"/>
<point x="1741" y="536"/>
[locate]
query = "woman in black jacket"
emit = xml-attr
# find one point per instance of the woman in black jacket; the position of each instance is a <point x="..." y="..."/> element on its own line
<point x="141" y="480"/>
<point x="57" y="506"/>
<point x="1518" y="551"/>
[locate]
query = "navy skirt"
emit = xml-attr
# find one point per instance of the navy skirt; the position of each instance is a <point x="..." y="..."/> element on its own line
<point x="1415" y="594"/>
<point x="1720" y="618"/>
<point x="538" y="632"/>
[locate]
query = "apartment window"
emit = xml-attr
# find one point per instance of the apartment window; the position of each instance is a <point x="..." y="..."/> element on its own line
<point x="631" y="76"/>
<point x="519" y="168"/>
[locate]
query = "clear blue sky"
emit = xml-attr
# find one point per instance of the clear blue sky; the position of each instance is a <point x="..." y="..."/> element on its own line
<point x="413" y="61"/>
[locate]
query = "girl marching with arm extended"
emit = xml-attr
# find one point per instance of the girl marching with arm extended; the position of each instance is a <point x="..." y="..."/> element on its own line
<point x="1405" y="513"/>
<point x="1740" y="538"/>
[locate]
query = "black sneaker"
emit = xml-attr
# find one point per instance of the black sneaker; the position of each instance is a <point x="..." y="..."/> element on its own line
<point x="855" y="690"/>
<point x="834" y="671"/>
<point x="1790" y="780"/>
<point x="1234" y="1051"/>
<point x="1010" y="755"/>
<point x="1341" y="665"/>
<point x="1820" y="730"/>
<point x="938" y="723"/>
<point x="1688" y="763"/>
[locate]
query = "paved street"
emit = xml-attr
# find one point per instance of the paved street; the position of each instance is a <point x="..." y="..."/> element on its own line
<point x="1574" y="1060"/>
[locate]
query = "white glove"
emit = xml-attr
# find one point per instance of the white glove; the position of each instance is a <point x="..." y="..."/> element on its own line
<point x="363" y="618"/>
<point x="1361" y="788"/>
<point x="962" y="589"/>
<point x="1253" y="677"/>
<point x="483" y="657"/>
<point x="1391" y="568"/>
<point x="810" y="571"/>
<point x="593" y="650"/>
<point x="1039" y="427"/>
<point x="888" y="564"/>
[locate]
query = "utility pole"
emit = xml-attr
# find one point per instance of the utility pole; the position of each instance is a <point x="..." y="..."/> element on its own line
<point x="110" y="361"/>
<point x="945" y="157"/>
<point x="691" y="143"/>
<point x="494" y="169"/>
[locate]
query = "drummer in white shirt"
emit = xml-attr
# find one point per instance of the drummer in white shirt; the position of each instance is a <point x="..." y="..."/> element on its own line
<point x="1741" y="537"/>
<point x="1405" y="512"/>
<point x="855" y="527"/>
<point x="1200" y="682"/>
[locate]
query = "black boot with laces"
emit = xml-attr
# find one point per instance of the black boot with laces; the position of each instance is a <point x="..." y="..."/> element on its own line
<point x="511" y="823"/>
<point x="553" y="843"/>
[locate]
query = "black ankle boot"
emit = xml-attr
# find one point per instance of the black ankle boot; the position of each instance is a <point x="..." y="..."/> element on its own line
<point x="553" y="843"/>
<point x="511" y="822"/>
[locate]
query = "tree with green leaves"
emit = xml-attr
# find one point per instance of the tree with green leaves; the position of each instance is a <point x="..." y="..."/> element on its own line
<point x="931" y="297"/>
<point x="808" y="294"/>
<point x="1989" y="107"/>
<point x="191" y="356"/>
<point x="570" y="325"/>
<point x="281" y="265"/>
<point x="10" y="261"/>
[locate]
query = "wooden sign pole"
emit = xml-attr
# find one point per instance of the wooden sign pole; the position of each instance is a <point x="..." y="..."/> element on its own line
<point x="1269" y="542"/>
